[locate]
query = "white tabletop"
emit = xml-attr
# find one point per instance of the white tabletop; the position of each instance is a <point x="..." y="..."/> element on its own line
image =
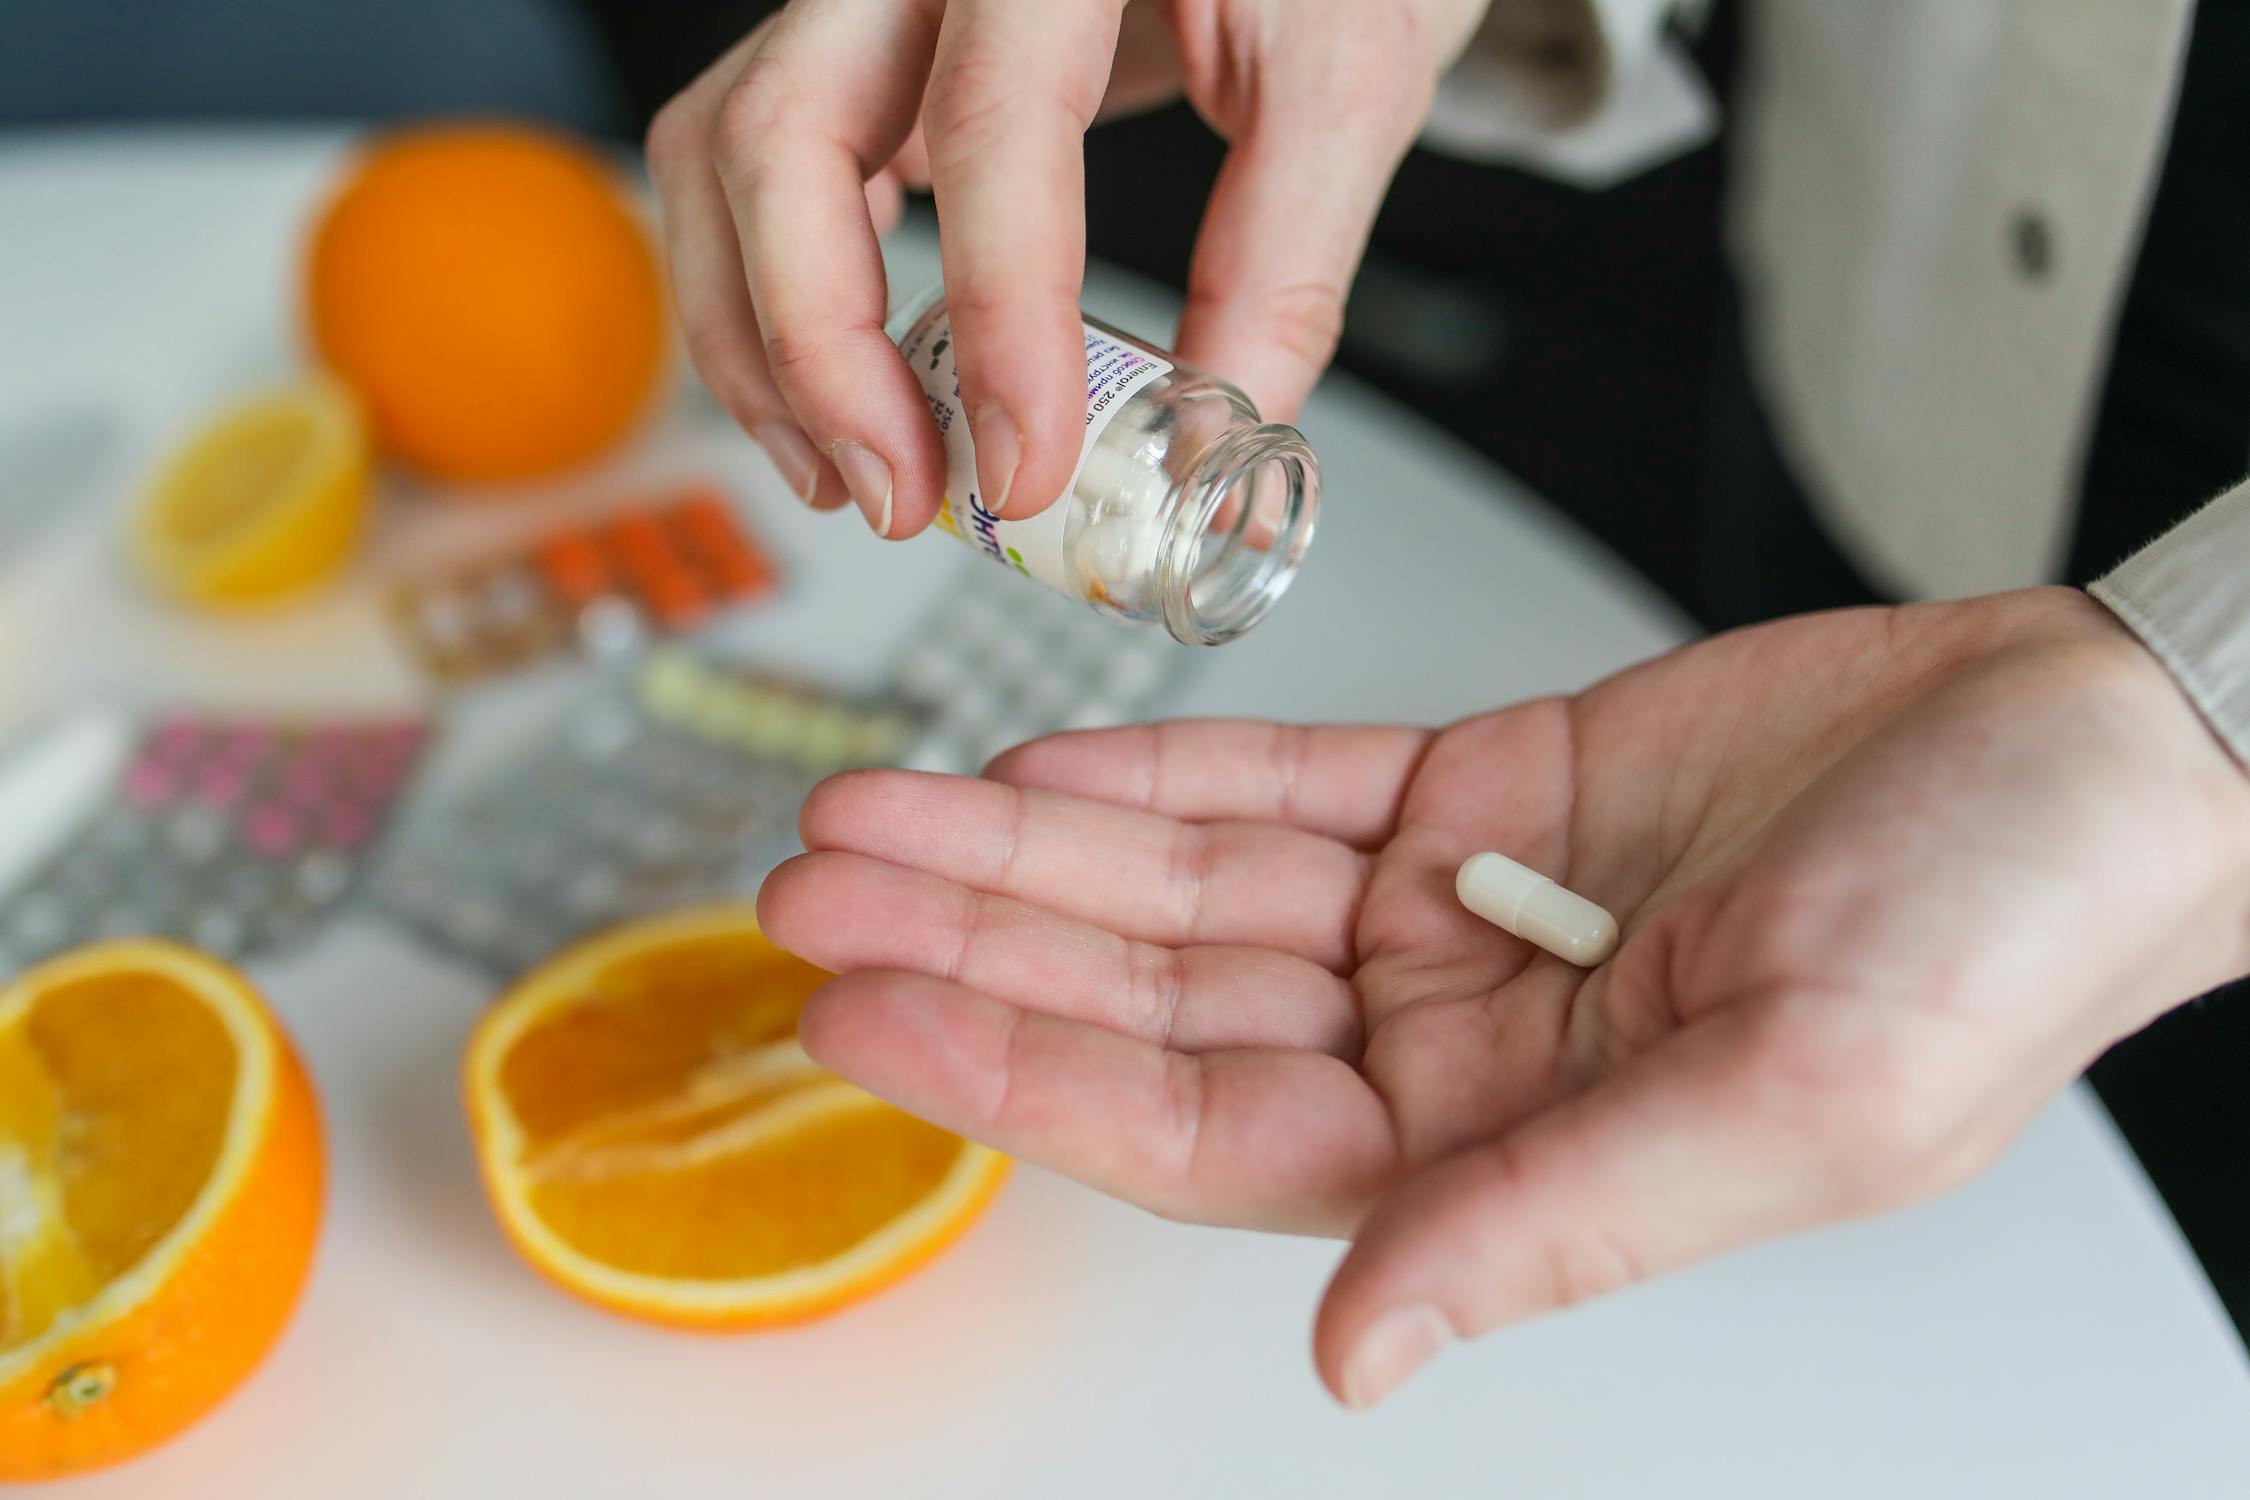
<point x="2042" y="1332"/>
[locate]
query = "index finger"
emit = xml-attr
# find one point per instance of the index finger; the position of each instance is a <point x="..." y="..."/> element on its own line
<point x="1014" y="85"/>
<point x="823" y="104"/>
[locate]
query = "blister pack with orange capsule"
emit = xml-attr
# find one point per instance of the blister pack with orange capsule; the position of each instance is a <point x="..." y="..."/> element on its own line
<point x="598" y="589"/>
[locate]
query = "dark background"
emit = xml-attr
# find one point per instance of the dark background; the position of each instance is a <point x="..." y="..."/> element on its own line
<point x="1588" y="342"/>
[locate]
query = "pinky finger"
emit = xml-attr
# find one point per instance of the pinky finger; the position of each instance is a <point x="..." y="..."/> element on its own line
<point x="712" y="300"/>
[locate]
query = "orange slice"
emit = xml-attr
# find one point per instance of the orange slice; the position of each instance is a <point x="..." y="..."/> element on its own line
<point x="265" y="500"/>
<point x="160" y="1172"/>
<point x="654" y="1140"/>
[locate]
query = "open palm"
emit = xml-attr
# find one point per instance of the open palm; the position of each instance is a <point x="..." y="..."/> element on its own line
<point x="1887" y="879"/>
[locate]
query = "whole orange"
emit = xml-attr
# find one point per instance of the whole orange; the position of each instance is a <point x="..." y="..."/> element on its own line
<point x="491" y="296"/>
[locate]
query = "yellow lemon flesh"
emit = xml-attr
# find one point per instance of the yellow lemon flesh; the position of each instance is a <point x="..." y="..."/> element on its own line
<point x="264" y="501"/>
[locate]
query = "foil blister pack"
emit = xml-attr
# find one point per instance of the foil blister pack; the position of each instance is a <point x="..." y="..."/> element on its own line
<point x="235" y="834"/>
<point x="678" y="781"/>
<point x="999" y="662"/>
<point x="600" y="589"/>
<point x="679" y="778"/>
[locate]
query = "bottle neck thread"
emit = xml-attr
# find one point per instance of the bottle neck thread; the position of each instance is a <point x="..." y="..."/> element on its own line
<point x="1240" y="519"/>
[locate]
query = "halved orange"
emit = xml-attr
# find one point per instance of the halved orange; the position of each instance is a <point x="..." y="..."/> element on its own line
<point x="160" y="1180"/>
<point x="654" y="1140"/>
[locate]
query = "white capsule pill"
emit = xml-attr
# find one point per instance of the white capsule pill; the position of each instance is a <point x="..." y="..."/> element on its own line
<point x="1517" y="899"/>
<point x="1117" y="550"/>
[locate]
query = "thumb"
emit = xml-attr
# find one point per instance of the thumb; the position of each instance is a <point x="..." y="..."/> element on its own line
<point x="1695" y="1147"/>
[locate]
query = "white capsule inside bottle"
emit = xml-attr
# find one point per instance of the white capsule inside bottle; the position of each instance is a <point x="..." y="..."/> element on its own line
<point x="1519" y="900"/>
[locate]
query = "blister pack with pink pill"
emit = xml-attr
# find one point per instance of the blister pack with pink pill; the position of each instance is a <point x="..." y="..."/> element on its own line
<point x="233" y="833"/>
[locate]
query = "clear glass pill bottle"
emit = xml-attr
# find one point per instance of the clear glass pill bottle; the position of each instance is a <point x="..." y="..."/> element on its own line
<point x="1185" y="508"/>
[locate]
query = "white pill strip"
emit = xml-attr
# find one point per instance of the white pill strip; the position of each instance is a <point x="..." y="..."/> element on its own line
<point x="1520" y="900"/>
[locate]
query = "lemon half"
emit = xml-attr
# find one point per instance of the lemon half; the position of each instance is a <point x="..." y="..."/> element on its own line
<point x="264" y="501"/>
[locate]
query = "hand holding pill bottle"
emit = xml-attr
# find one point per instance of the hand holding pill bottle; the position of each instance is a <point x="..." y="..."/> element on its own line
<point x="781" y="163"/>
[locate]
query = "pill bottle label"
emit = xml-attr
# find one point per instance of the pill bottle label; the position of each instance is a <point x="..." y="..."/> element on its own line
<point x="1115" y="370"/>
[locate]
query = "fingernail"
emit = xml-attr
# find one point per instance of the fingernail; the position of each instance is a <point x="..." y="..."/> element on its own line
<point x="792" y="453"/>
<point x="1398" y="1343"/>
<point x="999" y="445"/>
<point x="869" y="480"/>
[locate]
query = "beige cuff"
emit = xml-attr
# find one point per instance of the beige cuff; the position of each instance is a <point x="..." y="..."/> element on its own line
<point x="2187" y="596"/>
